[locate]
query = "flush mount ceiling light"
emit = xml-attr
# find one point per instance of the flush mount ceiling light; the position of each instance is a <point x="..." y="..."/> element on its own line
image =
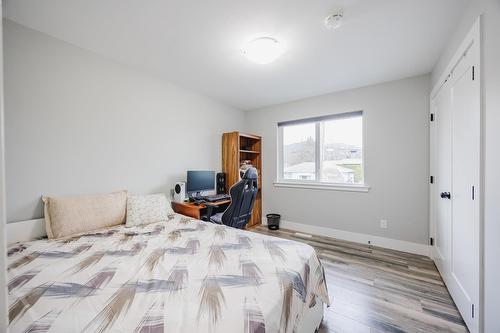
<point x="263" y="50"/>
<point x="334" y="21"/>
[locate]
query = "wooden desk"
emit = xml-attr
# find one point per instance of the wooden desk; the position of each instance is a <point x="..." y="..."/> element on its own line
<point x="195" y="211"/>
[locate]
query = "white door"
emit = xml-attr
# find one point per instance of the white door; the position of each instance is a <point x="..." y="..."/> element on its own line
<point x="455" y="162"/>
<point x="465" y="257"/>
<point x="442" y="178"/>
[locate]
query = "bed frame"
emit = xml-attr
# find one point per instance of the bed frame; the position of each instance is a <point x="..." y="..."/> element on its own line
<point x="312" y="318"/>
<point x="24" y="231"/>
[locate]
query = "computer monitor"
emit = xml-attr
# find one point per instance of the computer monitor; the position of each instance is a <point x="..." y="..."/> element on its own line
<point x="199" y="181"/>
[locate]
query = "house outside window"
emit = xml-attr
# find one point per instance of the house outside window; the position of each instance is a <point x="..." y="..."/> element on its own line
<point x="326" y="149"/>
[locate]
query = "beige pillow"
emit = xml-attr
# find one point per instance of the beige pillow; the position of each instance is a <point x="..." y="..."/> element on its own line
<point x="66" y="216"/>
<point x="145" y="209"/>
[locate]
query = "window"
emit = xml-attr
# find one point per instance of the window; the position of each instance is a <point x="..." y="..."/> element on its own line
<point x="322" y="150"/>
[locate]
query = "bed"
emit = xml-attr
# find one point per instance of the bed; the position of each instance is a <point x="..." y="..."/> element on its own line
<point x="181" y="275"/>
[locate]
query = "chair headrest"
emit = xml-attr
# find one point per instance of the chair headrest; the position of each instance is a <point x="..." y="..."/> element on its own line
<point x="250" y="173"/>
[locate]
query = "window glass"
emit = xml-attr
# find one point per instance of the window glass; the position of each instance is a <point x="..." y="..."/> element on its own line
<point x="299" y="152"/>
<point x="341" y="158"/>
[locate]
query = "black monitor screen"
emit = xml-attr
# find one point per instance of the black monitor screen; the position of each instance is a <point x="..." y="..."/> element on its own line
<point x="198" y="181"/>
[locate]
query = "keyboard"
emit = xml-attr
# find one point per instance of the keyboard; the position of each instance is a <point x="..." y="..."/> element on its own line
<point x="216" y="197"/>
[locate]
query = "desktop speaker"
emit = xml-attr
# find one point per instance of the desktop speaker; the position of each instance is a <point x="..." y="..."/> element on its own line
<point x="221" y="183"/>
<point x="180" y="192"/>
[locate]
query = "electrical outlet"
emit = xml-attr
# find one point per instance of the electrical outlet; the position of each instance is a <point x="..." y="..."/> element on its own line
<point x="383" y="224"/>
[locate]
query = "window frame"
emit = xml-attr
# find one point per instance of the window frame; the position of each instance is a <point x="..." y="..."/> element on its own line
<point x="318" y="184"/>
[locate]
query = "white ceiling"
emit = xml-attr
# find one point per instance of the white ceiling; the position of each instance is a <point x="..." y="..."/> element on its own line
<point x="197" y="43"/>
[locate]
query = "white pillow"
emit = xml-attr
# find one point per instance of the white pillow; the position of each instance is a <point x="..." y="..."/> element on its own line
<point x="144" y="209"/>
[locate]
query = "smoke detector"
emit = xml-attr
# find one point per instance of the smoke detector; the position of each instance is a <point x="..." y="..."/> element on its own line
<point x="334" y="21"/>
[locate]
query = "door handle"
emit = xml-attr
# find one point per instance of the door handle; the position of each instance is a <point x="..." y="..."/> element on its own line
<point x="446" y="195"/>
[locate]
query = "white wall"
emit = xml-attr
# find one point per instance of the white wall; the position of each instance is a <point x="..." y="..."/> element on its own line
<point x="491" y="139"/>
<point x="77" y="123"/>
<point x="3" y="243"/>
<point x="396" y="156"/>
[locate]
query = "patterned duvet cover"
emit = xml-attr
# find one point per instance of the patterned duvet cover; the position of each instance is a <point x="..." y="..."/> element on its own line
<point x="182" y="275"/>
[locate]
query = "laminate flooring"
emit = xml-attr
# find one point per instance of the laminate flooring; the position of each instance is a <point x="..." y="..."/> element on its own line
<point x="375" y="290"/>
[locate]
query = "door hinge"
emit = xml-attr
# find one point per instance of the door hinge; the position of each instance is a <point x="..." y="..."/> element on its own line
<point x="432" y="116"/>
<point x="473" y="72"/>
<point x="431" y="241"/>
<point x="473" y="312"/>
<point x="432" y="180"/>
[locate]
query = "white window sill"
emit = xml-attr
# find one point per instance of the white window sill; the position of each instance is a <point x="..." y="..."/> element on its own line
<point x="323" y="186"/>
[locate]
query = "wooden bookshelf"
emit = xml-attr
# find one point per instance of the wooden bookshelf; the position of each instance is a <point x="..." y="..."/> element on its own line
<point x="249" y="151"/>
<point x="238" y="147"/>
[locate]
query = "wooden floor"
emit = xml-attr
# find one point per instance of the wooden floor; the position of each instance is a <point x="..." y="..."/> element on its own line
<point x="379" y="290"/>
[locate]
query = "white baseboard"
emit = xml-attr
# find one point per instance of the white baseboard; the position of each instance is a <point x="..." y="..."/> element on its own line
<point x="389" y="243"/>
<point x="24" y="231"/>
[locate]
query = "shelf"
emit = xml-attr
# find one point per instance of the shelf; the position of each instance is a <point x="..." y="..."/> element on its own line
<point x="250" y="136"/>
<point x="249" y="151"/>
<point x="237" y="147"/>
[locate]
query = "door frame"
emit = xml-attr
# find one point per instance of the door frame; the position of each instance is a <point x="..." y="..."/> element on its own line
<point x="3" y="242"/>
<point x="471" y="43"/>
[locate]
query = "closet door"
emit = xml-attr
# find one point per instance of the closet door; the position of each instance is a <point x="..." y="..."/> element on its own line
<point x="464" y="267"/>
<point x="455" y="194"/>
<point x="442" y="145"/>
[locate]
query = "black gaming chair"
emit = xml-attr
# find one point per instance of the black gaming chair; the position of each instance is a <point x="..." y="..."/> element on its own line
<point x="243" y="195"/>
